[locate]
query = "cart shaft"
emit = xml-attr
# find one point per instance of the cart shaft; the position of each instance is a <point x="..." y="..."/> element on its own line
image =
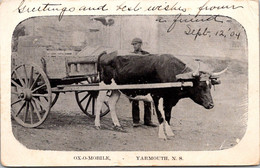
<point x="97" y="87"/>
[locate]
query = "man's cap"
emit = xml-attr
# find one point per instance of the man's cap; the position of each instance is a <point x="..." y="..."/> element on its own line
<point x="136" y="40"/>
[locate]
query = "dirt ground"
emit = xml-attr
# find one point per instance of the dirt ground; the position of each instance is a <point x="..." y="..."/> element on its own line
<point x="67" y="128"/>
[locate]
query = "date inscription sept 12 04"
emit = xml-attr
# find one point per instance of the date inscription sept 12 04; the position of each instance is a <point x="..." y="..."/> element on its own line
<point x="200" y="31"/>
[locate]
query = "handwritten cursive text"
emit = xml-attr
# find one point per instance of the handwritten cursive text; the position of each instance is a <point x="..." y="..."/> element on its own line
<point x="179" y="19"/>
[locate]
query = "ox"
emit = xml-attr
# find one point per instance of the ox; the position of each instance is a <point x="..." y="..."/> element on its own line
<point x="135" y="69"/>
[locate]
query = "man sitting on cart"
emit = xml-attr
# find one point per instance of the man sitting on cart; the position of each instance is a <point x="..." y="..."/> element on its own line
<point x="137" y="44"/>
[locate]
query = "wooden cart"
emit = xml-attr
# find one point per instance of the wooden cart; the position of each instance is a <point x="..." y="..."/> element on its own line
<point x="35" y="88"/>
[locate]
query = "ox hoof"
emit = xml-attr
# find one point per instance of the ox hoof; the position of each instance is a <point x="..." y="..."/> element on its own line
<point x="163" y="138"/>
<point x="98" y="127"/>
<point x="161" y="134"/>
<point x="119" y="128"/>
<point x="170" y="134"/>
<point x="168" y="131"/>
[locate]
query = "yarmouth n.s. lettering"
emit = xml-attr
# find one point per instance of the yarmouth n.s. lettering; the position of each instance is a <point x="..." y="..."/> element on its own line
<point x="164" y="158"/>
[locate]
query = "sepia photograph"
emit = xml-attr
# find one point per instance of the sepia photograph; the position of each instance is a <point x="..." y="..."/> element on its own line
<point x="59" y="66"/>
<point x="129" y="83"/>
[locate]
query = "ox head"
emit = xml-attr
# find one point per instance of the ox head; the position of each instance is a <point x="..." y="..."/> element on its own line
<point x="202" y="83"/>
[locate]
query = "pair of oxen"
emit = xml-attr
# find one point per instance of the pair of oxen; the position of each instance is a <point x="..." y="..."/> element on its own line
<point x="136" y="69"/>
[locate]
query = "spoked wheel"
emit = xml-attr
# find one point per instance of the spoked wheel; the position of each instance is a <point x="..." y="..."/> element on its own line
<point x="87" y="100"/>
<point x="31" y="96"/>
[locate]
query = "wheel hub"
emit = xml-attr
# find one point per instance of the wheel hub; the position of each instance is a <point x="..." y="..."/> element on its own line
<point x="26" y="94"/>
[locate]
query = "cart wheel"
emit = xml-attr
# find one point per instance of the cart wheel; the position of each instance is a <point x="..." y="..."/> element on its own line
<point x="86" y="101"/>
<point x="54" y="100"/>
<point x="31" y="96"/>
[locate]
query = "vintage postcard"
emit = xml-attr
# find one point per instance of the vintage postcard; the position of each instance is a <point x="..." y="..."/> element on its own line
<point x="129" y="83"/>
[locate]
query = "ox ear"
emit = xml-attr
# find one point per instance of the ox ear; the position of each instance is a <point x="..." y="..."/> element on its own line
<point x="185" y="76"/>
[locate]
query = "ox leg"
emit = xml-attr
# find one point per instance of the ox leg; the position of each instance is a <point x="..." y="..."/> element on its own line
<point x="100" y="100"/>
<point x="159" y="109"/>
<point x="112" y="105"/>
<point x="158" y="113"/>
<point x="168" y="104"/>
<point x="167" y="112"/>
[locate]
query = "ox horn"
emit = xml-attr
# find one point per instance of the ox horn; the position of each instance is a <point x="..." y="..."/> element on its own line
<point x="196" y="72"/>
<point x="219" y="73"/>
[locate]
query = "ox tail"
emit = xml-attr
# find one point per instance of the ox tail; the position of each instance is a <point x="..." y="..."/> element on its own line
<point x="99" y="69"/>
<point x="98" y="60"/>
